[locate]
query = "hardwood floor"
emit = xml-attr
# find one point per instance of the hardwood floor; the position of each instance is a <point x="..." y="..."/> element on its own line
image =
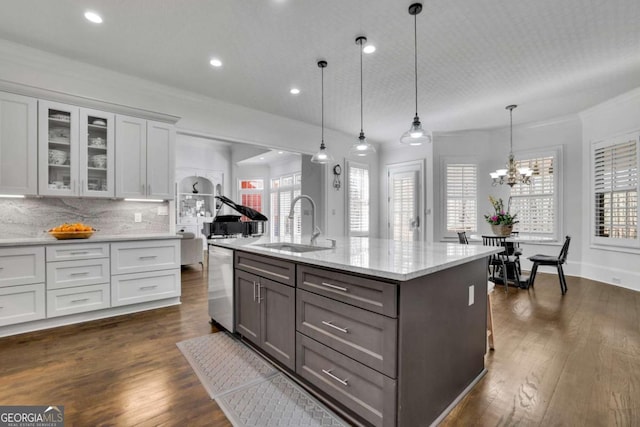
<point x="572" y="360"/>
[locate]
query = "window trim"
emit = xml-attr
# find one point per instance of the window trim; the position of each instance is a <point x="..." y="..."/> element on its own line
<point x="444" y="162"/>
<point x="608" y="243"/>
<point x="242" y="191"/>
<point x="348" y="165"/>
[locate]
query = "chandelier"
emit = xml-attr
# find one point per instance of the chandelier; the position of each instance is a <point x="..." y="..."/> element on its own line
<point x="512" y="175"/>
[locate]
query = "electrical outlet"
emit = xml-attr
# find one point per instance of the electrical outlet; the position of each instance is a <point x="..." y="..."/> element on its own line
<point x="472" y="289"/>
<point x="137" y="217"/>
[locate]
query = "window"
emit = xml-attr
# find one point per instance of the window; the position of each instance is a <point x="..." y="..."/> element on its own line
<point x="358" y="199"/>
<point x="283" y="190"/>
<point x="250" y="192"/>
<point x="615" y="186"/>
<point x="536" y="204"/>
<point x="461" y="197"/>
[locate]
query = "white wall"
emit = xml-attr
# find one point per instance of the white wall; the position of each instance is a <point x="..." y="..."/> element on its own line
<point x="617" y="116"/>
<point x="204" y="154"/>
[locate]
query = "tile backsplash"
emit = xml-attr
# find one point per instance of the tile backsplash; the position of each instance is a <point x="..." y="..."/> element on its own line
<point x="32" y="217"/>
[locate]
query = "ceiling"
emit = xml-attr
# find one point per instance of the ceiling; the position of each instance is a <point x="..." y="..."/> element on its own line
<point x="551" y="57"/>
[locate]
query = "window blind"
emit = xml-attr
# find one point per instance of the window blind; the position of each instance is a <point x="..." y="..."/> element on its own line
<point x="358" y="194"/>
<point x="403" y="207"/>
<point x="461" y="197"/>
<point x="283" y="190"/>
<point x="536" y="204"/>
<point x="615" y="175"/>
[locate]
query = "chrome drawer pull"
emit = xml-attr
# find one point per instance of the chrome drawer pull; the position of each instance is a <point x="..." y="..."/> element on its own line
<point x="80" y="300"/>
<point x="80" y="273"/>
<point x="254" y="290"/>
<point x="340" y="380"/>
<point x="79" y="253"/>
<point x="148" y="257"/>
<point x="340" y="288"/>
<point x="345" y="330"/>
<point x="259" y="297"/>
<point x="144" y="288"/>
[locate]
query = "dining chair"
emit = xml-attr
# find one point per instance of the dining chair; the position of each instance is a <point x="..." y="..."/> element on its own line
<point x="551" y="260"/>
<point x="503" y="262"/>
<point x="462" y="238"/>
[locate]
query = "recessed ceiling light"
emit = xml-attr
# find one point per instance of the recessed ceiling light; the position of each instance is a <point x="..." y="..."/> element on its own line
<point x="261" y="158"/>
<point x="294" y="91"/>
<point x="369" y="48"/>
<point x="93" y="17"/>
<point x="280" y="152"/>
<point x="215" y="62"/>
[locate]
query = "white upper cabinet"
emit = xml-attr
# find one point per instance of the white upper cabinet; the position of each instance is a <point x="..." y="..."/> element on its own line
<point x="18" y="144"/>
<point x="76" y="149"/>
<point x="97" y="153"/>
<point x="145" y="153"/>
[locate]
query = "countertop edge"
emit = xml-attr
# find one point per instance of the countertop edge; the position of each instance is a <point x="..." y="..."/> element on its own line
<point x="34" y="241"/>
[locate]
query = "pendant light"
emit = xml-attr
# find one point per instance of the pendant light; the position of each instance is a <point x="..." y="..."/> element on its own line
<point x="361" y="147"/>
<point x="416" y="135"/>
<point x="322" y="156"/>
<point x="512" y="175"/>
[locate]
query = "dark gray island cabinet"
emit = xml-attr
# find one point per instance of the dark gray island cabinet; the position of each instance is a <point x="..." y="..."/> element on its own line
<point x="392" y="353"/>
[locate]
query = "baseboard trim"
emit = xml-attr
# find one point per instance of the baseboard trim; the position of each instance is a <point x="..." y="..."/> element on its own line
<point x="457" y="400"/>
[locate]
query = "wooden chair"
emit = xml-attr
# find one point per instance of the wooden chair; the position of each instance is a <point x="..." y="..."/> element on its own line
<point x="462" y="238"/>
<point x="541" y="259"/>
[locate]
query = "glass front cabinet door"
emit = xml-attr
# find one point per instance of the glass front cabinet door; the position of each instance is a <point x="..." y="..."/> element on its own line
<point x="75" y="151"/>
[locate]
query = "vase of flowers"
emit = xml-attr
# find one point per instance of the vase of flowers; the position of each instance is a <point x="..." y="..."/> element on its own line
<point x="501" y="221"/>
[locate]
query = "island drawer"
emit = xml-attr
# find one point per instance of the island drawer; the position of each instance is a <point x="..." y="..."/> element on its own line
<point x="21" y="265"/>
<point x="61" y="302"/>
<point x="22" y="303"/>
<point x="360" y="334"/>
<point x="150" y="255"/>
<point x="366" y="392"/>
<point x="68" y="252"/>
<point x="142" y="287"/>
<point x="67" y="274"/>
<point x="271" y="268"/>
<point x="374" y="295"/>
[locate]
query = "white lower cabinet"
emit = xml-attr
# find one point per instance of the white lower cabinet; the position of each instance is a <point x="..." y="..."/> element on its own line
<point x="22" y="303"/>
<point x="80" y="299"/>
<point x="141" y="287"/>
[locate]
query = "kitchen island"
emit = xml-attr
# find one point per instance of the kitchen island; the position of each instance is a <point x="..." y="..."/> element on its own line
<point x="393" y="333"/>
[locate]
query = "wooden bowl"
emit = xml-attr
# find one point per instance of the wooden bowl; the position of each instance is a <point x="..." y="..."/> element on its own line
<point x="63" y="235"/>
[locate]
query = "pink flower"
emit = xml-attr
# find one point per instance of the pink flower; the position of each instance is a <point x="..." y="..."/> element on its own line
<point x="494" y="218"/>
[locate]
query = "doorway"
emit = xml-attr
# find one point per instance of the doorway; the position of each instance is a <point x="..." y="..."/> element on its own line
<point x="405" y="201"/>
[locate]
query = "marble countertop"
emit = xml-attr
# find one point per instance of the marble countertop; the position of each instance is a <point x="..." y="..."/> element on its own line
<point x="384" y="258"/>
<point x="49" y="240"/>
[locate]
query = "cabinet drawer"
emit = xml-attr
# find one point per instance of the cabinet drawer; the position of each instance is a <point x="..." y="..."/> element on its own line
<point x="271" y="268"/>
<point x="77" y="251"/>
<point x="22" y="265"/>
<point x="22" y="303"/>
<point x="360" y="334"/>
<point x="136" y="257"/>
<point x="380" y="297"/>
<point x="366" y="392"/>
<point x="66" y="274"/>
<point x="61" y="302"/>
<point x="141" y="287"/>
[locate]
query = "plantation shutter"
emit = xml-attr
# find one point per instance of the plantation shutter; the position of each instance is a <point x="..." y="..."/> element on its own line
<point x="535" y="204"/>
<point x="404" y="199"/>
<point x="461" y="190"/>
<point x="615" y="174"/>
<point x="358" y="193"/>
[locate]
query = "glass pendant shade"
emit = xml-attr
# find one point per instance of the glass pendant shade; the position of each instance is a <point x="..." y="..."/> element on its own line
<point x="322" y="156"/>
<point x="416" y="135"/>
<point x="361" y="147"/>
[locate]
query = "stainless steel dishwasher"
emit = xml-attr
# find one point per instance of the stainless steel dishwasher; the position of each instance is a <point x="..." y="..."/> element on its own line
<point x="221" y="302"/>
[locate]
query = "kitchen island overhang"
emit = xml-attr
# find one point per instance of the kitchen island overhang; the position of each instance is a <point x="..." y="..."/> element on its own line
<point x="410" y="317"/>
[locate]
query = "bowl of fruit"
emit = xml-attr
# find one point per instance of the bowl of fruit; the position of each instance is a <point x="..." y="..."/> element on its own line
<point x="77" y="230"/>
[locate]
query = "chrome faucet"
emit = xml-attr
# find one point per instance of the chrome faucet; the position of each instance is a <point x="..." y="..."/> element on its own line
<point x="315" y="230"/>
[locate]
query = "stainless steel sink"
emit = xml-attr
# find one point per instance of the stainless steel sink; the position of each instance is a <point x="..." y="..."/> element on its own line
<point x="292" y="247"/>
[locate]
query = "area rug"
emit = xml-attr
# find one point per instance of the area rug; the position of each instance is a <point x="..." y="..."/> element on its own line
<point x="250" y="391"/>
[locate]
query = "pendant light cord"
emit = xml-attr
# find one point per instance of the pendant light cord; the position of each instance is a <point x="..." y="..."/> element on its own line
<point x="511" y="131"/>
<point x="322" y="97"/>
<point x="415" y="55"/>
<point x="361" y="103"/>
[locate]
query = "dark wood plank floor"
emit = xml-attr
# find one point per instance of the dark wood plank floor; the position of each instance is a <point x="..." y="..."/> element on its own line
<point x="572" y="360"/>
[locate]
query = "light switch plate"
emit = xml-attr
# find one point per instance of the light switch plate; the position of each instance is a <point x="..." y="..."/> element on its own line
<point x="472" y="289"/>
<point x="137" y="217"/>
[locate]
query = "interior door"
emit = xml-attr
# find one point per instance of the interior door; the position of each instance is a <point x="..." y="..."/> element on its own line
<point x="404" y="198"/>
